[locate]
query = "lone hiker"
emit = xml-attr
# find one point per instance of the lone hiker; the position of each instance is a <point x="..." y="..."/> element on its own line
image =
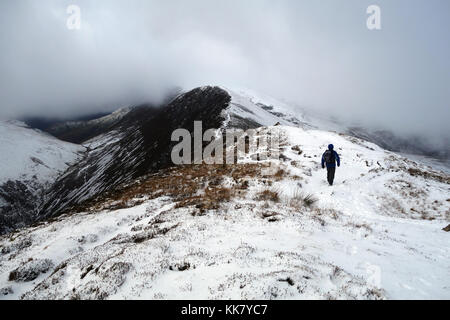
<point x="330" y="157"/>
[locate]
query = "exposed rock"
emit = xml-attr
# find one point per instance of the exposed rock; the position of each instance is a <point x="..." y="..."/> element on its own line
<point x="30" y="270"/>
<point x="90" y="238"/>
<point x="5" y="291"/>
<point x="17" y="245"/>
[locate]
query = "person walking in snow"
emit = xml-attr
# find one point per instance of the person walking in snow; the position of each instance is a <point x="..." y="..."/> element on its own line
<point x="329" y="158"/>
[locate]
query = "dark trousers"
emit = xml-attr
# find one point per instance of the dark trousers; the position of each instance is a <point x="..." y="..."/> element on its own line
<point x="330" y="175"/>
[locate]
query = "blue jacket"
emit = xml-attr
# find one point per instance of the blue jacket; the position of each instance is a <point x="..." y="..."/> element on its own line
<point x="332" y="165"/>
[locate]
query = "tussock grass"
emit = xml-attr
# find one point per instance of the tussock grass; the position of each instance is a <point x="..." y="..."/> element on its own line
<point x="300" y="200"/>
<point x="269" y="195"/>
<point x="309" y="200"/>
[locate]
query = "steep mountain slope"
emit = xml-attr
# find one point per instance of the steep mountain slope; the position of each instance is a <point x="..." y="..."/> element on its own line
<point x="220" y="232"/>
<point x="140" y="143"/>
<point x="30" y="161"/>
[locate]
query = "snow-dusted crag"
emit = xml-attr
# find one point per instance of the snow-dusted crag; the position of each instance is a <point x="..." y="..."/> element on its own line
<point x="140" y="143"/>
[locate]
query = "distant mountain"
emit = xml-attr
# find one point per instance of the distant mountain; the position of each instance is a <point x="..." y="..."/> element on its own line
<point x="81" y="131"/>
<point x="43" y="122"/>
<point x="30" y="162"/>
<point x="390" y="141"/>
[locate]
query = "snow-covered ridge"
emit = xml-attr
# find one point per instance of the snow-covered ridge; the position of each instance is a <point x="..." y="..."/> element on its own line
<point x="376" y="234"/>
<point x="265" y="110"/>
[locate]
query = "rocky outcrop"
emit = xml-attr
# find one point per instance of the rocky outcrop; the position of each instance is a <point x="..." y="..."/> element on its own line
<point x="139" y="144"/>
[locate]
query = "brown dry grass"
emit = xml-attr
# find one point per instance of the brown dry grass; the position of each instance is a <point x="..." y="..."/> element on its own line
<point x="280" y="174"/>
<point x="268" y="195"/>
<point x="429" y="175"/>
<point x="188" y="185"/>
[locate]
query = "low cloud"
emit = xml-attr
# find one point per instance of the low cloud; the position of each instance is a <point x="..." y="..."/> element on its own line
<point x="318" y="55"/>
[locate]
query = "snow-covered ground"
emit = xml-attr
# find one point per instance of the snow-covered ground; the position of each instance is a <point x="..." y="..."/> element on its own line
<point x="27" y="154"/>
<point x="376" y="234"/>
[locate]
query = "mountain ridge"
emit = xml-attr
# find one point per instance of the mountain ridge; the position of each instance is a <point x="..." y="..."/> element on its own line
<point x="125" y="149"/>
<point x="221" y="232"/>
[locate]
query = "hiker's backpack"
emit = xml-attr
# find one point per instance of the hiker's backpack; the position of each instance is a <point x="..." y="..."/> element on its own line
<point x="329" y="157"/>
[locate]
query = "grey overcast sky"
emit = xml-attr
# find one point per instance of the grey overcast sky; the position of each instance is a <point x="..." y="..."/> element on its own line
<point x="318" y="54"/>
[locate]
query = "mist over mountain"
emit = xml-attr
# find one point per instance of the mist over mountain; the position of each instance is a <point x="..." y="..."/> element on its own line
<point x="319" y="56"/>
<point x="224" y="150"/>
